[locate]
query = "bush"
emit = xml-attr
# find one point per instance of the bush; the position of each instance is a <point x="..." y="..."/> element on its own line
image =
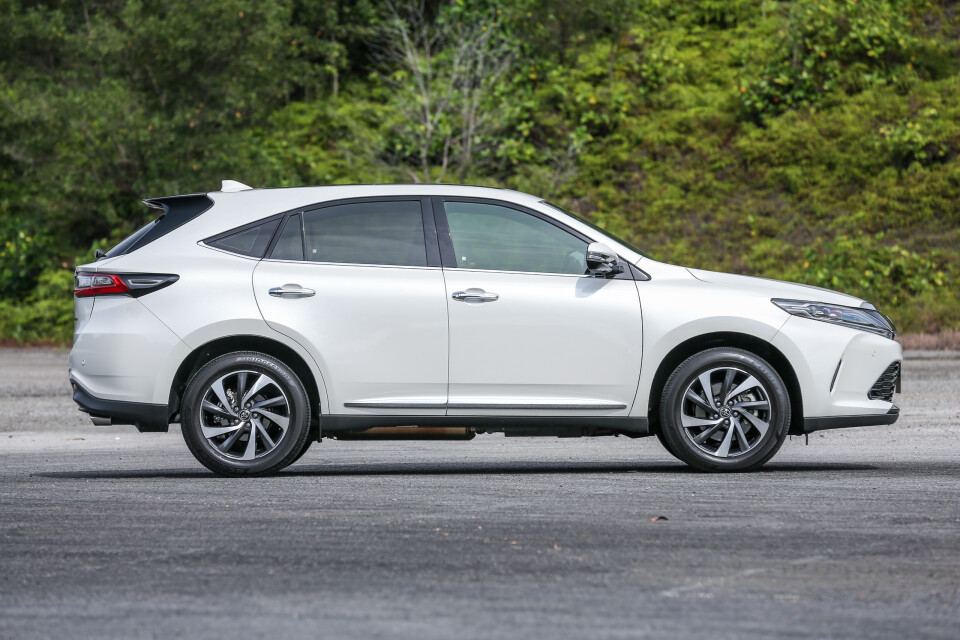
<point x="839" y="45"/>
<point x="46" y="316"/>
<point x="864" y="266"/>
<point x="23" y="254"/>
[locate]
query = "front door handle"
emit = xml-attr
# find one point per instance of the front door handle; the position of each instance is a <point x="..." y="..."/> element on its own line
<point x="291" y="291"/>
<point x="475" y="295"/>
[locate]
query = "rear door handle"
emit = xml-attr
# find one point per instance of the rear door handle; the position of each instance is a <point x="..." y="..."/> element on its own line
<point x="475" y="295"/>
<point x="291" y="291"/>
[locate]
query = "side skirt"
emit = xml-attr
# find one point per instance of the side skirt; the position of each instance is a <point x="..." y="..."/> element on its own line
<point x="510" y="426"/>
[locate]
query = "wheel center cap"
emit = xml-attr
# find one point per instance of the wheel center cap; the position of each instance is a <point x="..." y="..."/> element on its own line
<point x="725" y="412"/>
<point x="244" y="415"/>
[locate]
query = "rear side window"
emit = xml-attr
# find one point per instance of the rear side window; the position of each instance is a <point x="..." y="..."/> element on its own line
<point x="250" y="240"/>
<point x="290" y="244"/>
<point x="378" y="233"/>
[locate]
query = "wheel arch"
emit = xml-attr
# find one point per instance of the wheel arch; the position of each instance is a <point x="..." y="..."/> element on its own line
<point x="747" y="342"/>
<point x="220" y="346"/>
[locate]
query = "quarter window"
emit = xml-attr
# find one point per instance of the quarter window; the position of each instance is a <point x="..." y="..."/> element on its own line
<point x="382" y="233"/>
<point x="249" y="241"/>
<point x="497" y="238"/>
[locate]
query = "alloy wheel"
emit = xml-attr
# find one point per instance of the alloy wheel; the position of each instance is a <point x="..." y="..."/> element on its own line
<point x="725" y="412"/>
<point x="244" y="415"/>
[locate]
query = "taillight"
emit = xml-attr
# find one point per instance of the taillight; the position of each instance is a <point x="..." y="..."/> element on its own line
<point x="127" y="284"/>
<point x="98" y="284"/>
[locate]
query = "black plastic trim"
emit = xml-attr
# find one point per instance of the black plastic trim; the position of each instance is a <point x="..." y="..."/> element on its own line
<point x="842" y="422"/>
<point x="430" y="233"/>
<point x="638" y="273"/>
<point x="887" y="384"/>
<point x="145" y="417"/>
<point x="530" y="425"/>
<point x="833" y="380"/>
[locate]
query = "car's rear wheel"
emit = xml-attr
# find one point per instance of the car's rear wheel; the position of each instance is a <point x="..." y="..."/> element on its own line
<point x="724" y="409"/>
<point x="245" y="413"/>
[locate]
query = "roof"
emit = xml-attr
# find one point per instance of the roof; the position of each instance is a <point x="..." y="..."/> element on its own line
<point x="292" y="197"/>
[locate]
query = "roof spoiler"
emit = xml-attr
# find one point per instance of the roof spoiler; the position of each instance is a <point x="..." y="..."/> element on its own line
<point x="177" y="211"/>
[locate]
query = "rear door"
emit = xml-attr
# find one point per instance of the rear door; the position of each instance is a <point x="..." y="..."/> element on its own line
<point x="530" y="333"/>
<point x="358" y="283"/>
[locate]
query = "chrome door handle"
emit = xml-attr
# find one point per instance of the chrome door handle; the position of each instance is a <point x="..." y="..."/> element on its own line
<point x="475" y="295"/>
<point x="291" y="291"/>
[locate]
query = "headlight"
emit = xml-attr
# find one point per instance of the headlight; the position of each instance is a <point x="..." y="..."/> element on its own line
<point x="865" y="318"/>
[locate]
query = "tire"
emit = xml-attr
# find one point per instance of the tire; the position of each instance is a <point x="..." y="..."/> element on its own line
<point x="217" y="426"/>
<point x="740" y="433"/>
<point x="665" y="443"/>
<point x="306" y="446"/>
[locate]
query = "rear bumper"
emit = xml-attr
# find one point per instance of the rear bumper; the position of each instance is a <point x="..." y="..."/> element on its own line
<point x="842" y="422"/>
<point x="145" y="417"/>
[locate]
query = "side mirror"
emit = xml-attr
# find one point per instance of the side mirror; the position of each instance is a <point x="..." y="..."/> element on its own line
<point x="602" y="261"/>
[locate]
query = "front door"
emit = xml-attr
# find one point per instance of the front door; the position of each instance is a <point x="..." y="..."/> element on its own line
<point x="529" y="332"/>
<point x="358" y="284"/>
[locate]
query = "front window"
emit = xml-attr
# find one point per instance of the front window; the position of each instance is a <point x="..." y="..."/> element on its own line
<point x="498" y="238"/>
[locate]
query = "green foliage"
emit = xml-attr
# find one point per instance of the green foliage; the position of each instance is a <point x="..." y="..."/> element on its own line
<point x="46" y="315"/>
<point x="840" y="46"/>
<point x="887" y="274"/>
<point x="810" y="140"/>
<point x="722" y="13"/>
<point x="22" y="255"/>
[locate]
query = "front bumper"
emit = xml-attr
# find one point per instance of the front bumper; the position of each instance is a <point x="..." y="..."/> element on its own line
<point x="842" y="373"/>
<point x="145" y="417"/>
<point x="842" y="422"/>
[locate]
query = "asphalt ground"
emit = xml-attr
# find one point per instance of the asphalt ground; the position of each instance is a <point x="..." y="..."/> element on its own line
<point x="107" y="533"/>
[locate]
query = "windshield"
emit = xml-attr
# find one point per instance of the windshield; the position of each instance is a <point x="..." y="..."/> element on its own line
<point x="599" y="230"/>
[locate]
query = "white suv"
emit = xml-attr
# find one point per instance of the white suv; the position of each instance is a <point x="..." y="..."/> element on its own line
<point x="263" y="320"/>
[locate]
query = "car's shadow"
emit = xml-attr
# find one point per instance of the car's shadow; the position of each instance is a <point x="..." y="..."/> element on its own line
<point x="469" y="468"/>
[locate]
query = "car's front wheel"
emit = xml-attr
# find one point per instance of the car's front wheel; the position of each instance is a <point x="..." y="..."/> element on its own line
<point x="245" y="413"/>
<point x="724" y="409"/>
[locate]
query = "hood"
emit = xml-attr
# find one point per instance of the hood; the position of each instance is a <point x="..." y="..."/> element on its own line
<point x="775" y="288"/>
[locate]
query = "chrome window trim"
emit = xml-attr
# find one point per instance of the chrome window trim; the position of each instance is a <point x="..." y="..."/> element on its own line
<point x="229" y="253"/>
<point x="524" y="273"/>
<point x="351" y="264"/>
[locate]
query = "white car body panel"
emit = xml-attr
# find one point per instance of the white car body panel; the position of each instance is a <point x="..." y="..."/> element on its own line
<point x="123" y="352"/>
<point x="214" y="301"/>
<point x="674" y="301"/>
<point x="816" y="348"/>
<point x="379" y="334"/>
<point x="548" y="341"/>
